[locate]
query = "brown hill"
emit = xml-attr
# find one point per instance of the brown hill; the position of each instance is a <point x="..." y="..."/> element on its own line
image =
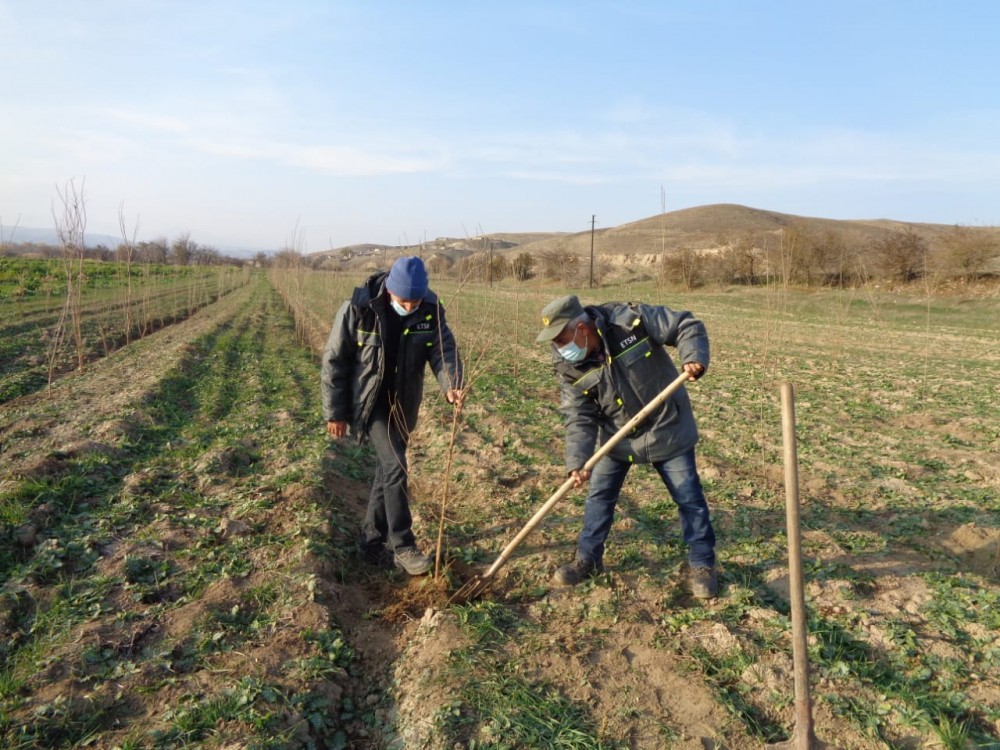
<point x="640" y="244"/>
<point x="714" y="225"/>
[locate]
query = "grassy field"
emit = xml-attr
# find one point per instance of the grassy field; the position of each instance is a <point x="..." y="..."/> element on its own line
<point x="178" y="566"/>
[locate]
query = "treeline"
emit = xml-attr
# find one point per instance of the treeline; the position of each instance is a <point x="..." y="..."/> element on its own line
<point x="796" y="256"/>
<point x="182" y="251"/>
<point x="805" y="258"/>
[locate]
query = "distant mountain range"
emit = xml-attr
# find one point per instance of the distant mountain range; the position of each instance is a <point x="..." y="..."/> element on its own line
<point x="51" y="237"/>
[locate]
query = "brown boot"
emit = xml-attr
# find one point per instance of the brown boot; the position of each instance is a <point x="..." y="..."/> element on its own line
<point x="576" y="571"/>
<point x="704" y="582"/>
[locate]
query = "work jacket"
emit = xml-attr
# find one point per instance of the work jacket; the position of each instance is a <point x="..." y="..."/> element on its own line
<point x="631" y="367"/>
<point x="354" y="361"/>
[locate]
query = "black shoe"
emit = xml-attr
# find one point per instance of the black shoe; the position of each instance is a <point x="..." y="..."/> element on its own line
<point x="704" y="582"/>
<point x="576" y="571"/>
<point x="374" y="554"/>
<point x="372" y="549"/>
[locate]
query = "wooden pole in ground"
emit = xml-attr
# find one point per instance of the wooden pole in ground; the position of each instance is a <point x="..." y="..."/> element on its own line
<point x="803" y="737"/>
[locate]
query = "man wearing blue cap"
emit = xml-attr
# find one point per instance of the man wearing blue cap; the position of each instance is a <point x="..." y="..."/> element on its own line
<point x="611" y="360"/>
<point x="373" y="381"/>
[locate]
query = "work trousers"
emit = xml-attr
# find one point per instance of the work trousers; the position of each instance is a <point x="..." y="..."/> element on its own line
<point x="680" y="475"/>
<point x="388" y="519"/>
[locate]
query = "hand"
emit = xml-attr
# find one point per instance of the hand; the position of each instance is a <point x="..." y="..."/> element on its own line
<point x="336" y="429"/>
<point x="694" y="370"/>
<point x="580" y="477"/>
<point x="455" y="396"/>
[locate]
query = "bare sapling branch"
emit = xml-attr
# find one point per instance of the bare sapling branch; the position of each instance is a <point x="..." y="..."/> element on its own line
<point x="71" y="225"/>
<point x="126" y="256"/>
<point x="6" y="237"/>
<point x="474" y="368"/>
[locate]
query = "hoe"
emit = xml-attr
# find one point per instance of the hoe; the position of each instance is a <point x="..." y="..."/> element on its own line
<point x="481" y="583"/>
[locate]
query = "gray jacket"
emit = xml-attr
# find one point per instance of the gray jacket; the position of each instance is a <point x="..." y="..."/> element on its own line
<point x="600" y="394"/>
<point x="354" y="362"/>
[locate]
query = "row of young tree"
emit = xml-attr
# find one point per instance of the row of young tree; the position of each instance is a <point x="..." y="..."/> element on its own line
<point x="182" y="251"/>
<point x="73" y="253"/>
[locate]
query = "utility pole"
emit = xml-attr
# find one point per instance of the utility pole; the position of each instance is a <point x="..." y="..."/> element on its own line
<point x="489" y="260"/>
<point x="593" y="220"/>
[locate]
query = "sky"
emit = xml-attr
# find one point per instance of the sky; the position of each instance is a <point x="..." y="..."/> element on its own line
<point x="311" y="124"/>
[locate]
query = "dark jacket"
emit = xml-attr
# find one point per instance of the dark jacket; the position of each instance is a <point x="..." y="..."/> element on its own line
<point x="354" y="362"/>
<point x="600" y="394"/>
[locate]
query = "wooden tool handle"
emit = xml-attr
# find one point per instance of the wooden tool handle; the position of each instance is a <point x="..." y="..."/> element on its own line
<point x="566" y="486"/>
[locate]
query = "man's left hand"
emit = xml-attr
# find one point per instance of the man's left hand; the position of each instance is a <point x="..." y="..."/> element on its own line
<point x="455" y="396"/>
<point x="694" y="370"/>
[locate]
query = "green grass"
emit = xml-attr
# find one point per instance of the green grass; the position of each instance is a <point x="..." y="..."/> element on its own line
<point x="505" y="710"/>
<point x="27" y="278"/>
<point x="500" y="708"/>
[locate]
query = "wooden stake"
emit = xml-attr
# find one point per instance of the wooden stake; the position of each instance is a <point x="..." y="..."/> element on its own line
<point x="803" y="737"/>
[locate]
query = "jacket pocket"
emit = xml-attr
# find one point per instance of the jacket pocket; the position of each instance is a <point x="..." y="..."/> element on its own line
<point x="635" y="355"/>
<point x="368" y="338"/>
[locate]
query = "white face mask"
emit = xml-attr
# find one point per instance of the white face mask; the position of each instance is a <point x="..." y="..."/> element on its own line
<point x="400" y="310"/>
<point x="571" y="352"/>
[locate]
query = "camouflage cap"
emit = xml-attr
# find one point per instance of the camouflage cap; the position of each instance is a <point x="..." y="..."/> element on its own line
<point x="557" y="314"/>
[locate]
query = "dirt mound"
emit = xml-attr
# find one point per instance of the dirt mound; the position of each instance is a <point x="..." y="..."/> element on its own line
<point x="977" y="549"/>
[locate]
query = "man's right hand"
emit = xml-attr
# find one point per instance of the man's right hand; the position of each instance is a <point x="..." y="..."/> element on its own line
<point x="336" y="429"/>
<point x="580" y="477"/>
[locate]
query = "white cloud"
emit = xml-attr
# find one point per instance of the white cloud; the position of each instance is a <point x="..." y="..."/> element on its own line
<point x="351" y="161"/>
<point x="565" y="177"/>
<point x="338" y="160"/>
<point x="156" y="123"/>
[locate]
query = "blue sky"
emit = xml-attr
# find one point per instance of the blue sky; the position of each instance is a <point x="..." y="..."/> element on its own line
<point x="313" y="123"/>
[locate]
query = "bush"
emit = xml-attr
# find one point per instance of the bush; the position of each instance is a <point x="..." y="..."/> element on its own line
<point x="967" y="253"/>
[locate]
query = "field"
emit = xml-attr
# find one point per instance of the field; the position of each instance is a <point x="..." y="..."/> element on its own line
<point x="116" y="304"/>
<point x="178" y="566"/>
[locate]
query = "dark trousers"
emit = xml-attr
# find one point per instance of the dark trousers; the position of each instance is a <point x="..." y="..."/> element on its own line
<point x="680" y="476"/>
<point x="388" y="519"/>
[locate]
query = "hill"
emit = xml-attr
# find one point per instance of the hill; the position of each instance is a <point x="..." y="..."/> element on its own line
<point x="709" y="226"/>
<point x="698" y="228"/>
<point x="48" y="236"/>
